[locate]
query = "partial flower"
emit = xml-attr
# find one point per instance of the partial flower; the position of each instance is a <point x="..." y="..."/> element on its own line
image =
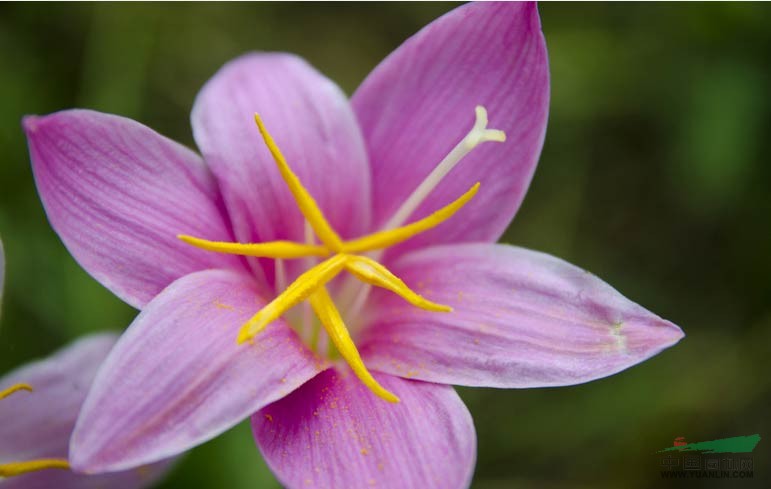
<point x="39" y="404"/>
<point x="237" y="260"/>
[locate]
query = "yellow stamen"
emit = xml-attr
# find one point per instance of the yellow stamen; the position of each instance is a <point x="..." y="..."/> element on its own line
<point x="15" y="388"/>
<point x="372" y="272"/>
<point x="330" y="318"/>
<point x="272" y="249"/>
<point x="299" y="290"/>
<point x="304" y="200"/>
<point x="346" y="255"/>
<point x="479" y="134"/>
<point x="384" y="239"/>
<point x="19" y="468"/>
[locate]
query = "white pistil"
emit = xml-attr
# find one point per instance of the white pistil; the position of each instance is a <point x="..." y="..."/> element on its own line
<point x="478" y="134"/>
<point x="280" y="276"/>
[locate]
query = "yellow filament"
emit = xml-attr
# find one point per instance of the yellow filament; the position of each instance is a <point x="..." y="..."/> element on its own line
<point x="330" y="318"/>
<point x="345" y="255"/>
<point x="299" y="290"/>
<point x="15" y="388"/>
<point x="372" y="272"/>
<point x="384" y="239"/>
<point x="273" y="249"/>
<point x="304" y="200"/>
<point x="19" y="468"/>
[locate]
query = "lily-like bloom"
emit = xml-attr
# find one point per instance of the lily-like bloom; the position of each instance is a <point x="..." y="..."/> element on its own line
<point x="405" y="188"/>
<point x="39" y="404"/>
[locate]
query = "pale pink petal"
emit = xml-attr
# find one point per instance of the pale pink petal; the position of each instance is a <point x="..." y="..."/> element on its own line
<point x="520" y="319"/>
<point x="118" y="194"/>
<point x="334" y="433"/>
<point x="313" y="125"/>
<point x="419" y="102"/>
<point x="177" y="377"/>
<point x="38" y="424"/>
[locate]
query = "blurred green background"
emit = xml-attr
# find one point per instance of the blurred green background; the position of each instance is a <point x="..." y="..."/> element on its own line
<point x="652" y="177"/>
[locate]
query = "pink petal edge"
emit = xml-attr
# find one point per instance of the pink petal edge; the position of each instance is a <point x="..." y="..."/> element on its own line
<point x="38" y="424"/>
<point x="419" y="102"/>
<point x="521" y="319"/>
<point x="118" y="194"/>
<point x="177" y="377"/>
<point x="314" y="126"/>
<point x="333" y="432"/>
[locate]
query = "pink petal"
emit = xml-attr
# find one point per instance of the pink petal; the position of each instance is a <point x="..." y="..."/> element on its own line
<point x="313" y="125"/>
<point x="177" y="377"/>
<point x="521" y="319"/>
<point x="38" y="424"/>
<point x="118" y="194"/>
<point x="334" y="433"/>
<point x="419" y="103"/>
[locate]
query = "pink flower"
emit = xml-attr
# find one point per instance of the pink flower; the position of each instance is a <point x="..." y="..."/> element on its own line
<point x="37" y="425"/>
<point x="119" y="194"/>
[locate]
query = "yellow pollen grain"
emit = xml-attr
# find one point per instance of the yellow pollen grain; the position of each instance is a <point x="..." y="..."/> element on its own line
<point x="221" y="305"/>
<point x="269" y="417"/>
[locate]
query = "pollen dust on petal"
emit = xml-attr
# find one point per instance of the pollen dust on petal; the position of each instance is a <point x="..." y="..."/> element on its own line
<point x="221" y="305"/>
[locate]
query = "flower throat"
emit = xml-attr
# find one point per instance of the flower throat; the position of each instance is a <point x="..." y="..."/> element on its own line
<point x="359" y="257"/>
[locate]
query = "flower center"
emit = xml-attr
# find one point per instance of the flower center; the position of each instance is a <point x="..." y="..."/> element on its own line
<point x="348" y="255"/>
<point x="18" y="468"/>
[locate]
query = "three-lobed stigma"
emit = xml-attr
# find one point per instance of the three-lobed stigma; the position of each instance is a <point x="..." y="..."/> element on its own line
<point x="348" y="255"/>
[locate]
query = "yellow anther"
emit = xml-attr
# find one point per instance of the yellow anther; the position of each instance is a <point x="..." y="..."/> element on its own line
<point x="15" y="388"/>
<point x="330" y="318"/>
<point x="346" y="255"/>
<point x="19" y="468"/>
<point x="384" y="239"/>
<point x="304" y="200"/>
<point x="271" y="249"/>
<point x="299" y="290"/>
<point x="372" y="272"/>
